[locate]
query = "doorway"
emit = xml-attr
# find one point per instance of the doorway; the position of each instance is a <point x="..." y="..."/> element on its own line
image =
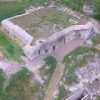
<point x="54" y="47"/>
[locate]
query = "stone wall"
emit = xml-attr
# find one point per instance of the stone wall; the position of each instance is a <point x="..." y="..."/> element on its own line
<point x="46" y="46"/>
<point x="16" y="32"/>
<point x="58" y="39"/>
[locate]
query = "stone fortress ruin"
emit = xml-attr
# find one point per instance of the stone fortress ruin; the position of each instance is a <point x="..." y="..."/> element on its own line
<point x="45" y="30"/>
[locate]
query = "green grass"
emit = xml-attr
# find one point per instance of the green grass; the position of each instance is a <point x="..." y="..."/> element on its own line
<point x="21" y="77"/>
<point x="96" y="39"/>
<point x="98" y="98"/>
<point x="17" y="86"/>
<point x="37" y="25"/>
<point x="94" y="50"/>
<point x="74" y="53"/>
<point x="78" y="63"/>
<point x="2" y="78"/>
<point x="71" y="4"/>
<point x="96" y="5"/>
<point x="12" y="8"/>
<point x="9" y="48"/>
<point x="3" y="94"/>
<point x="70" y="68"/>
<point x="54" y="16"/>
<point x="50" y="61"/>
<point x="62" y="93"/>
<point x="78" y="4"/>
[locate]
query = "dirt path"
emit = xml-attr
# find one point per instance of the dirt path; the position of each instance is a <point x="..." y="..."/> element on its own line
<point x="54" y="81"/>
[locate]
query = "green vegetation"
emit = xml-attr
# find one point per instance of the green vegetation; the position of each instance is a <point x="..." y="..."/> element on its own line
<point x="21" y="77"/>
<point x="96" y="39"/>
<point x="17" y="88"/>
<point x="18" y="85"/>
<point x="94" y="50"/>
<point x="72" y="55"/>
<point x="12" y="8"/>
<point x="96" y="5"/>
<point x="41" y="22"/>
<point x="50" y="61"/>
<point x="74" y="4"/>
<point x="54" y="16"/>
<point x="62" y="93"/>
<point x="59" y="18"/>
<point x="9" y="48"/>
<point x="98" y="98"/>
<point x="2" y="78"/>
<point x="76" y="59"/>
<point x="71" y="63"/>
<point x="78" y="4"/>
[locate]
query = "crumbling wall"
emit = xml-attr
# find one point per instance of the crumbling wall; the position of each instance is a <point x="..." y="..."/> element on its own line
<point x="16" y="32"/>
<point x="46" y="46"/>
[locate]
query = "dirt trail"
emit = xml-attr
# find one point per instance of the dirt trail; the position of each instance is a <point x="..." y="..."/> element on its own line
<point x="54" y="81"/>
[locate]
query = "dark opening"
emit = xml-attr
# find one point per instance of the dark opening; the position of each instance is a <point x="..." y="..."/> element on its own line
<point x="39" y="52"/>
<point x="64" y="41"/>
<point x="79" y="35"/>
<point x="46" y="51"/>
<point x="54" y="47"/>
<point x="80" y="97"/>
<point x="40" y="41"/>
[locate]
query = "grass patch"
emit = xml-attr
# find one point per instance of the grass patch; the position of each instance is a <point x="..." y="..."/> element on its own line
<point x="41" y="22"/>
<point x="17" y="87"/>
<point x="71" y="63"/>
<point x="21" y="77"/>
<point x="50" y="61"/>
<point x="96" y="39"/>
<point x="12" y="8"/>
<point x="9" y="48"/>
<point x="62" y="93"/>
<point x="3" y="94"/>
<point x="78" y="6"/>
<point x="98" y="98"/>
<point x="72" y="4"/>
<point x="73" y="54"/>
<point x="2" y="78"/>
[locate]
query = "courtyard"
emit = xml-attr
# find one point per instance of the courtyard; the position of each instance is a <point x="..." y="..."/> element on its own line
<point x="41" y="24"/>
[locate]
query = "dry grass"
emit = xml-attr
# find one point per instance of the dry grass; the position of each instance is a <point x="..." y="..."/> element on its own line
<point x="41" y="23"/>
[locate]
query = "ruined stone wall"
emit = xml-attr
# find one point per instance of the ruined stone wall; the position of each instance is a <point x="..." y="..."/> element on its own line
<point x="16" y="32"/>
<point x="57" y="40"/>
<point x="49" y="45"/>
